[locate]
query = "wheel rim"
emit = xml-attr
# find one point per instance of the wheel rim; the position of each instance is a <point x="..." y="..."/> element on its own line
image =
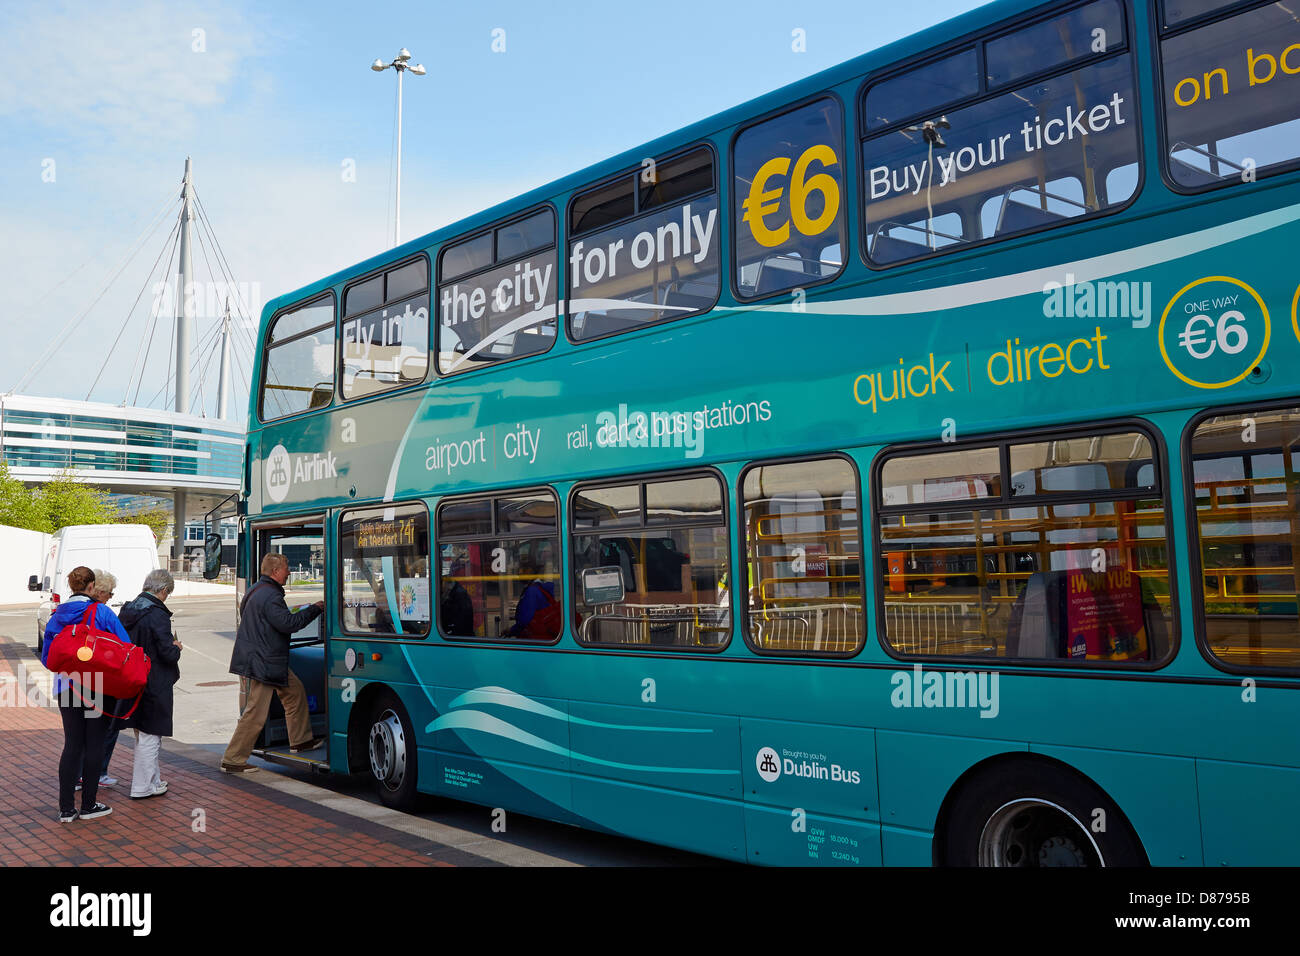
<point x="1035" y="832"/>
<point x="388" y="750"/>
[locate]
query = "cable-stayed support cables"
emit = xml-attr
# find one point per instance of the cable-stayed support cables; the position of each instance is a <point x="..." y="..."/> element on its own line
<point x="57" y="341"/>
<point x="205" y="342"/>
<point x="130" y="312"/>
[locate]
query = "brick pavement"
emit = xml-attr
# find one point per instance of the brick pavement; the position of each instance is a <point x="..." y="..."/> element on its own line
<point x="243" y="823"/>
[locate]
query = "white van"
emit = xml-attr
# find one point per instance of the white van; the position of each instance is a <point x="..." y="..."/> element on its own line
<point x="127" y="551"/>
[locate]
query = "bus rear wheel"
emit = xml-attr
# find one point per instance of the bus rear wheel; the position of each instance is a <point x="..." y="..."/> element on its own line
<point x="390" y="746"/>
<point x="1037" y="815"/>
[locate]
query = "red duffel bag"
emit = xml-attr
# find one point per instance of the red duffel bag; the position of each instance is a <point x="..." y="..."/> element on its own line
<point x="82" y="650"/>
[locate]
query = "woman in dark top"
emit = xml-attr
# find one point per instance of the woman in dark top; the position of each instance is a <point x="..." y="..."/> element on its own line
<point x="149" y="623"/>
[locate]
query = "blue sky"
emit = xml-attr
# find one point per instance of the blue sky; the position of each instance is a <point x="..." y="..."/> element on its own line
<point x="100" y="103"/>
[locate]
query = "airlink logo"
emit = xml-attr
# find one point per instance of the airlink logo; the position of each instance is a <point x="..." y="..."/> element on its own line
<point x="284" y="470"/>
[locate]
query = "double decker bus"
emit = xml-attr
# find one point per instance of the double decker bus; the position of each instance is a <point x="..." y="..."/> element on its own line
<point x="900" y="468"/>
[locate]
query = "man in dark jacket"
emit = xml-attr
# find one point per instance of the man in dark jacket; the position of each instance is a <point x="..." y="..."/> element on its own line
<point x="149" y="623"/>
<point x="261" y="656"/>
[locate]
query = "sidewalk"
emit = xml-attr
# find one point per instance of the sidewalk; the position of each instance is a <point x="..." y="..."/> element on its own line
<point x="207" y="818"/>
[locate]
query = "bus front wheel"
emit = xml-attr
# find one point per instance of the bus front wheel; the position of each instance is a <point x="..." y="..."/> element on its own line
<point x="1037" y="814"/>
<point x="390" y="745"/>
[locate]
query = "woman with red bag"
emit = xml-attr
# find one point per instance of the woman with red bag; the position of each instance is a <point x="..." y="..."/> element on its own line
<point x="84" y="725"/>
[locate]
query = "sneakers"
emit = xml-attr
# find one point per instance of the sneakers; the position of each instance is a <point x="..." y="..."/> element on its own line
<point x="104" y="781"/>
<point x="157" y="791"/>
<point x="237" y="767"/>
<point x="98" y="810"/>
<point x="314" y="744"/>
<point x="67" y="816"/>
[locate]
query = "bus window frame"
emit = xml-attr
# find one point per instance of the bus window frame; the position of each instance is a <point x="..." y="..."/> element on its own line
<point x="436" y="541"/>
<point x="1158" y="34"/>
<point x="641" y="479"/>
<point x="1196" y="569"/>
<point x="637" y="213"/>
<point x="435" y="308"/>
<point x="743" y="553"/>
<point x="338" y="549"/>
<point x="428" y="343"/>
<point x="846" y="133"/>
<point x="979" y="38"/>
<point x="1003" y="441"/>
<point x="266" y="349"/>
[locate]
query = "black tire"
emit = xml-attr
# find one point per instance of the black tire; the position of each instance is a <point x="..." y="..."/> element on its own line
<point x="1036" y="814"/>
<point x="391" y="753"/>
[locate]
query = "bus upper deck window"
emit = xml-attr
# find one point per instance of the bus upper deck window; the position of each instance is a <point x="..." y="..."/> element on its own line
<point x="298" y="364"/>
<point x="497" y="294"/>
<point x="789" y="199"/>
<point x="387" y="345"/>
<point x="1231" y="93"/>
<point x="644" y="248"/>
<point x="952" y="158"/>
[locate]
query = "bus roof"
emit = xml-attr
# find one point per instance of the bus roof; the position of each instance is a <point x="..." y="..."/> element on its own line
<point x="892" y="54"/>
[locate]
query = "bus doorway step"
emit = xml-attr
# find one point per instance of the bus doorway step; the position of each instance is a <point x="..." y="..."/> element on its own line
<point x="314" y="759"/>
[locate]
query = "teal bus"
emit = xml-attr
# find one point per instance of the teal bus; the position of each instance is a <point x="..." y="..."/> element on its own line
<point x="900" y="468"/>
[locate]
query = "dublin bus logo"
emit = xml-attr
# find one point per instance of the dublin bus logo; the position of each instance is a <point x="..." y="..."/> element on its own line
<point x="277" y="474"/>
<point x="768" y="764"/>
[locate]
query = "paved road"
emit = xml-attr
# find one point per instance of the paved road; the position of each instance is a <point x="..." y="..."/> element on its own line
<point x="207" y="707"/>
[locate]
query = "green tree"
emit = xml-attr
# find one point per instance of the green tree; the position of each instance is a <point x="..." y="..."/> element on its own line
<point x="158" y="520"/>
<point x="66" y="500"/>
<point x="19" y="507"/>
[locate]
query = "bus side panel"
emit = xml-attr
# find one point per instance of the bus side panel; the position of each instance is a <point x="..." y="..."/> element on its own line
<point x="917" y="771"/>
<point x="498" y="725"/>
<point x="696" y="823"/>
<point x="695" y="753"/>
<point x="818" y="767"/>
<point x="500" y="749"/>
<point x="1248" y="813"/>
<point x="900" y="847"/>
<point x="500" y="783"/>
<point x="795" y="838"/>
<point x="1153" y="791"/>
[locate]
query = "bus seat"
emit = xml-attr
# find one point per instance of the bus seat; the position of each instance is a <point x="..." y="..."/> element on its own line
<point x="776" y="279"/>
<point x="686" y="300"/>
<point x="413" y="369"/>
<point x="1189" y="175"/>
<point x="887" y="248"/>
<point x="596" y="324"/>
<point x="1034" y="630"/>
<point x="1016" y="216"/>
<point x="321" y="394"/>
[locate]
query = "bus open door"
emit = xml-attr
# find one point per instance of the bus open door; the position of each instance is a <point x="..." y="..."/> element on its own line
<point x="301" y="541"/>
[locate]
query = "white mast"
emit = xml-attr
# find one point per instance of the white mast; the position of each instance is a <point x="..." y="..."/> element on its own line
<point x="185" y="316"/>
<point x="223" y="385"/>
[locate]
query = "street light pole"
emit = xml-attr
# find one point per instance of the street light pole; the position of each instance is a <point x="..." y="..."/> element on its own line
<point x="401" y="64"/>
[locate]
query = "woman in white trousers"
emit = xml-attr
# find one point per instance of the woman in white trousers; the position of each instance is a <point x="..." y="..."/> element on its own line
<point x="148" y="620"/>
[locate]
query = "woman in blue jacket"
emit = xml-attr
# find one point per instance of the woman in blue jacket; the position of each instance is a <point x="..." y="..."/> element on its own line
<point x="84" y="724"/>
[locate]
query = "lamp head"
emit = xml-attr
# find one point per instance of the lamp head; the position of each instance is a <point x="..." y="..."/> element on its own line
<point x="378" y="66"/>
<point x="403" y="54"/>
<point x="418" y="69"/>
